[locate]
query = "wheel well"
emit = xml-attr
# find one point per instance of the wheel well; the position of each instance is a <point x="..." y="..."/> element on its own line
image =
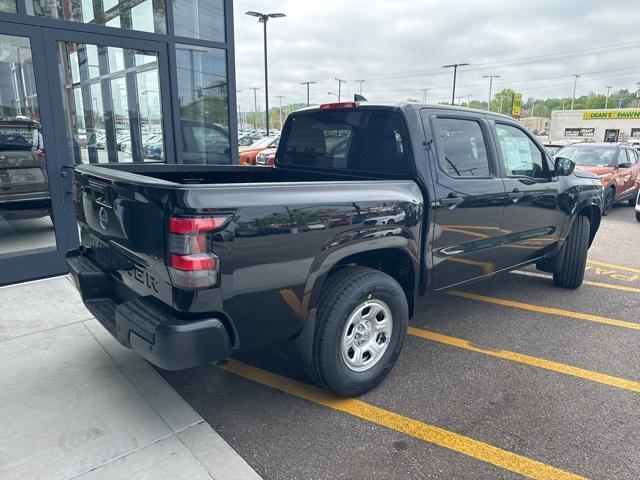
<point x="593" y="214"/>
<point x="393" y="262"/>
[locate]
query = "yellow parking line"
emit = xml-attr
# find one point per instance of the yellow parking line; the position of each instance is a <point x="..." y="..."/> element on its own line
<point x="585" y="282"/>
<point x="547" y="310"/>
<point x="612" y="286"/>
<point x="394" y="421"/>
<point x="529" y="360"/>
<point x="613" y="265"/>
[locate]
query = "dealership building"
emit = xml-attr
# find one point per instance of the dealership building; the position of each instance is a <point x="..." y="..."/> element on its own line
<point x="613" y="125"/>
<point x="102" y="81"/>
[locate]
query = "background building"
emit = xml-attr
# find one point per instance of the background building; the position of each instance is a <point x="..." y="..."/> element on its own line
<point x="613" y="125"/>
<point x="102" y="81"/>
<point x="537" y="125"/>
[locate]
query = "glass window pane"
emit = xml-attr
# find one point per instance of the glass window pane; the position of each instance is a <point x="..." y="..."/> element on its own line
<point x="520" y="155"/>
<point x="143" y="15"/>
<point x="8" y="6"/>
<point x="112" y="103"/>
<point x="25" y="201"/>
<point x="202" y="19"/>
<point x="204" y="104"/>
<point x="465" y="152"/>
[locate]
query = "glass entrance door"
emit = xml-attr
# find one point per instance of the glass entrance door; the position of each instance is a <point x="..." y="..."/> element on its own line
<point x="112" y="103"/>
<point x="69" y="98"/>
<point x="32" y="221"/>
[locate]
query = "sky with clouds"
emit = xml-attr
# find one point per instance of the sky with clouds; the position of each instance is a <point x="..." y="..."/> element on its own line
<point x="399" y="46"/>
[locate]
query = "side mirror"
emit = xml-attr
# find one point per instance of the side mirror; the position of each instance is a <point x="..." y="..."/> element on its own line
<point x="624" y="165"/>
<point x="564" y="166"/>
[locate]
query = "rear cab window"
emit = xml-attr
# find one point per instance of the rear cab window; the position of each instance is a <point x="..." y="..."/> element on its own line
<point x="368" y="141"/>
<point x="463" y="147"/>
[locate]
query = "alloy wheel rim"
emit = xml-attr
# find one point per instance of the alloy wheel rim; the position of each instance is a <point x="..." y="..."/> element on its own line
<point x="366" y="335"/>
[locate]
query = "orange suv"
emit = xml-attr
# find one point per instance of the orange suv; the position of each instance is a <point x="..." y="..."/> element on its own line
<point x="248" y="154"/>
<point x="615" y="163"/>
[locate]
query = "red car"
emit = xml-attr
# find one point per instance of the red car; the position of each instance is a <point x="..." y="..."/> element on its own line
<point x="616" y="164"/>
<point x="266" y="157"/>
<point x="248" y="154"/>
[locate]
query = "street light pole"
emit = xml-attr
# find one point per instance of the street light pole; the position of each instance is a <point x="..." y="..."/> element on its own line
<point x="606" y="101"/>
<point x="575" y="84"/>
<point x="490" y="77"/>
<point x="280" y="109"/>
<point x="424" y="94"/>
<point x="360" y="82"/>
<point x="307" y="84"/>
<point x="255" y="106"/>
<point x="455" y="73"/>
<point x="533" y="108"/>
<point x="264" y="18"/>
<point x="340" y="82"/>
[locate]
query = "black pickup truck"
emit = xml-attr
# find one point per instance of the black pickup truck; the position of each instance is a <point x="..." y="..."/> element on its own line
<point x="368" y="207"/>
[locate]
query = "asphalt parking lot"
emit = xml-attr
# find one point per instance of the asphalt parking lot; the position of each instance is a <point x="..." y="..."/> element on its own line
<point x="507" y="378"/>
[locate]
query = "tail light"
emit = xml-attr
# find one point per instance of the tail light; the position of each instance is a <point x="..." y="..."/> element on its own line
<point x="191" y="263"/>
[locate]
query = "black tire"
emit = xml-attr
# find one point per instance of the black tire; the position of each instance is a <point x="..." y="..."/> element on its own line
<point x="609" y="200"/>
<point x="571" y="272"/>
<point x="632" y="202"/>
<point x="637" y="216"/>
<point x="345" y="291"/>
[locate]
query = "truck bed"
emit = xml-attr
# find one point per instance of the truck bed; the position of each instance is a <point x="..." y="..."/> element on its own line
<point x="220" y="174"/>
<point x="283" y="230"/>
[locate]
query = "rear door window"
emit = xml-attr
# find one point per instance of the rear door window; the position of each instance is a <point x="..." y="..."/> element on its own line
<point x="465" y="151"/>
<point x="366" y="141"/>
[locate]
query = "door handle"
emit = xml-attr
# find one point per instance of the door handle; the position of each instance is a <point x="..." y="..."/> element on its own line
<point x="515" y="195"/>
<point x="452" y="201"/>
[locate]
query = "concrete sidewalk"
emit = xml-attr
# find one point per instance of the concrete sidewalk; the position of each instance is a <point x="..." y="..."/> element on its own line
<point x="76" y="404"/>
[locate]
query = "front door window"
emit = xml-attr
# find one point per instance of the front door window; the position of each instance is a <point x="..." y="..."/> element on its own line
<point x="112" y="103"/>
<point x="26" y="220"/>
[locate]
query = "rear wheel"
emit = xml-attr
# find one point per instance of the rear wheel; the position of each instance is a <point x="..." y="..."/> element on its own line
<point x="609" y="199"/>
<point x="362" y="322"/>
<point x="576" y="246"/>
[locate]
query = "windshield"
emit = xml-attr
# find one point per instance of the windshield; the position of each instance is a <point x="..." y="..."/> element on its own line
<point x="264" y="142"/>
<point x="589" y="156"/>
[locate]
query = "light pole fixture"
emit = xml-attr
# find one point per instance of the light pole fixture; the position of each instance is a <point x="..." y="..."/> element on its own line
<point x="490" y="77"/>
<point x="334" y="94"/>
<point x="340" y="82"/>
<point x="575" y="83"/>
<point x="425" y="91"/>
<point x="255" y="106"/>
<point x="263" y="18"/>
<point x="280" y="97"/>
<point x="455" y="72"/>
<point x="606" y="101"/>
<point x="307" y="84"/>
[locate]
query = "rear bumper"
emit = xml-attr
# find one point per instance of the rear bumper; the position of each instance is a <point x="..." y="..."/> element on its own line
<point x="144" y="325"/>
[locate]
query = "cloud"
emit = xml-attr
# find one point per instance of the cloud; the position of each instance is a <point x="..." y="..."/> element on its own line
<point x="399" y="46"/>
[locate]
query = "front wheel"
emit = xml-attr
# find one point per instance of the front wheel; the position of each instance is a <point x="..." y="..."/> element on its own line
<point x="571" y="273"/>
<point x="609" y="200"/>
<point x="362" y="321"/>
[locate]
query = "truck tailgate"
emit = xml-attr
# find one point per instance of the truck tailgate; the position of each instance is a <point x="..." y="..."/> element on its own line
<point x="122" y="227"/>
